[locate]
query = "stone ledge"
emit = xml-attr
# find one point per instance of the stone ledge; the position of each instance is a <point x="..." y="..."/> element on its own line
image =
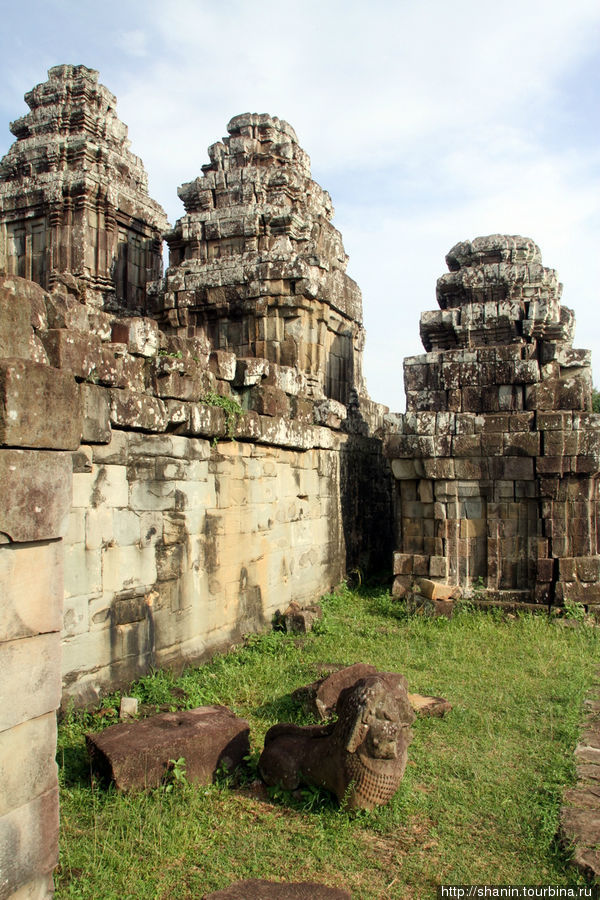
<point x="579" y="828"/>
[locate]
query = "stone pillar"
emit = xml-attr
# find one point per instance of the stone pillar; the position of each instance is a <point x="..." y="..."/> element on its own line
<point x="40" y="422"/>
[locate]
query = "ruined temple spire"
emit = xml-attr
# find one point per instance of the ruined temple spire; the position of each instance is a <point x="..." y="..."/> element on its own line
<point x="256" y="265"/>
<point x="74" y="199"/>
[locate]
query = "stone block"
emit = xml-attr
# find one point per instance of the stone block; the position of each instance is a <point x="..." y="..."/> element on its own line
<point x="420" y="564"/>
<point x="401" y="586"/>
<point x="438" y="567"/>
<point x="403" y="563"/>
<point x="35" y="486"/>
<point x="250" y="371"/>
<point x="128" y="708"/>
<point x="469" y="469"/>
<point x="31" y="587"/>
<point x="78" y="353"/>
<point x="208" y="421"/>
<point x="34" y="665"/>
<point x="329" y="413"/>
<point x="140" y="334"/>
<point x="544" y="570"/>
<point x="82" y="571"/>
<point x="434" y="590"/>
<point x="137" y="755"/>
<point x="96" y="414"/>
<point x="33" y="745"/>
<point x="29" y="846"/>
<point x="75" y="615"/>
<point x="223" y="364"/>
<point x="130" y="409"/>
<point x="269" y="401"/>
<point x="515" y="467"/>
<point x="439" y="468"/>
<point x="98" y="527"/>
<point x="39" y="407"/>
<point x="588" y="568"/>
<point x="406" y="468"/>
<point x="116" y="452"/>
<point x="128" y="567"/>
<point x="466" y="445"/>
<point x="15" y="324"/>
<point x="522" y="443"/>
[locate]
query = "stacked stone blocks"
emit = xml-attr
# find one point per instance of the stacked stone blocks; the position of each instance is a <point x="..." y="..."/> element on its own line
<point x="496" y="460"/>
<point x="256" y="265"/>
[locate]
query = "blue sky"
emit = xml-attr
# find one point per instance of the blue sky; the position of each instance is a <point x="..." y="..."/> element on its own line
<point x="429" y="122"/>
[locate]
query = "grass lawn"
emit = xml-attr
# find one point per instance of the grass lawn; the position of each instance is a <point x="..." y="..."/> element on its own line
<point x="478" y="804"/>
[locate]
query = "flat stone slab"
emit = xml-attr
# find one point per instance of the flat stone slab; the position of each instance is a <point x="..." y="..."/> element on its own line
<point x="257" y="889"/>
<point x="136" y="755"/>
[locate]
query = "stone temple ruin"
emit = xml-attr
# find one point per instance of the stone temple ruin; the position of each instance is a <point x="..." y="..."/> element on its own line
<point x="134" y="532"/>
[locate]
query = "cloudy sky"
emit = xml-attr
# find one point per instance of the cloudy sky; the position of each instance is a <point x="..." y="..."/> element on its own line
<point x="428" y="121"/>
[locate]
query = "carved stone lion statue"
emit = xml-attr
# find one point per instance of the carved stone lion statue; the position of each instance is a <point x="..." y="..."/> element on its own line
<point x="361" y="757"/>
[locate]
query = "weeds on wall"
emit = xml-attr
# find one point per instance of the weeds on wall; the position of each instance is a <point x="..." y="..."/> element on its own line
<point x="231" y="407"/>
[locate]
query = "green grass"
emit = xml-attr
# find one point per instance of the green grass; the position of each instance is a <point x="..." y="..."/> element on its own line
<point x="479" y="802"/>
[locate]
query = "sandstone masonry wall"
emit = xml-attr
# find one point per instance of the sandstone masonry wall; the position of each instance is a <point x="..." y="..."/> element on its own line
<point x="179" y="539"/>
<point x="35" y="485"/>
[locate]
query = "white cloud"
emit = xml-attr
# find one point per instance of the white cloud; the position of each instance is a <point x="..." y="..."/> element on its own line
<point x="134" y="42"/>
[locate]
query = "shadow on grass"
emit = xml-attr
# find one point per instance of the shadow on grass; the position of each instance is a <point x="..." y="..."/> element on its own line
<point x="282" y="709"/>
<point x="74" y="766"/>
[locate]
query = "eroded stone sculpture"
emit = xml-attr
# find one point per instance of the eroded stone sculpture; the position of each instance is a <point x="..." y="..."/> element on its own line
<point x="360" y="758"/>
<point x="319" y="699"/>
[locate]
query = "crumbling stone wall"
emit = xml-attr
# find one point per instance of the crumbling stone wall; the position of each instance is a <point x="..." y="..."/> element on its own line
<point x="497" y="459"/>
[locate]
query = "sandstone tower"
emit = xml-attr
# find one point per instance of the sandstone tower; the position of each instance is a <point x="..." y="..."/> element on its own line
<point x="497" y="458"/>
<point x="74" y="200"/>
<point x="256" y="267"/>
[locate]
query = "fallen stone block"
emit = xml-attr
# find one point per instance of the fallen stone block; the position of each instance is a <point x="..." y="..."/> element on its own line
<point x="128" y="708"/>
<point x="433" y="590"/>
<point x="257" y="889"/>
<point x="361" y="757"/>
<point x="301" y="619"/>
<point x="136" y="755"/>
<point x="580" y="826"/>
<point x="429" y="707"/>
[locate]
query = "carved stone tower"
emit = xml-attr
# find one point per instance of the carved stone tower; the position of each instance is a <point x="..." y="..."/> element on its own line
<point x="497" y="458"/>
<point x="256" y="266"/>
<point x="73" y="198"/>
